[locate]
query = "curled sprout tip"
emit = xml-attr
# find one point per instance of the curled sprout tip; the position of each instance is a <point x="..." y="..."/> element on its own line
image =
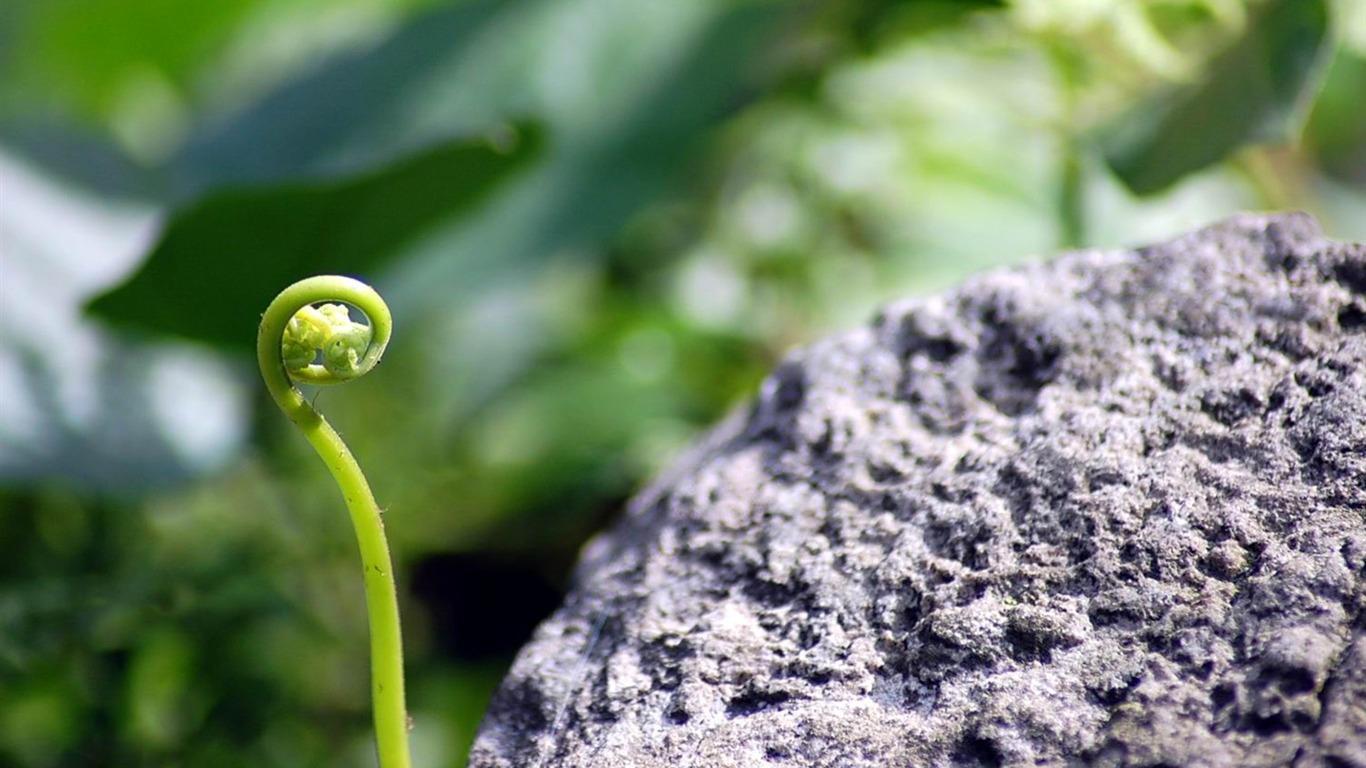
<point x="307" y="336"/>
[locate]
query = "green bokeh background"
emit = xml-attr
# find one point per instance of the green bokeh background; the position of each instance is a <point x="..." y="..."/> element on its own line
<point x="599" y="223"/>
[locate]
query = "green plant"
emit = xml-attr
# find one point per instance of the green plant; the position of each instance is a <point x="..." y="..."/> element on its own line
<point x="307" y="336"/>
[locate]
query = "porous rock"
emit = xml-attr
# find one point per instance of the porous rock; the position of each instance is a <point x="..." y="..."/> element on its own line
<point x="1108" y="510"/>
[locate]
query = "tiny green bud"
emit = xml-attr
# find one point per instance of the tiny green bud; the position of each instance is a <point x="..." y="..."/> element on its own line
<point x="336" y="315"/>
<point x="296" y="355"/>
<point x="341" y="356"/>
<point x="329" y="331"/>
<point x="305" y="334"/>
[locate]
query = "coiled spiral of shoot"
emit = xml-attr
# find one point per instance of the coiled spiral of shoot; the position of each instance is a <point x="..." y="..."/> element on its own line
<point x="307" y="336"/>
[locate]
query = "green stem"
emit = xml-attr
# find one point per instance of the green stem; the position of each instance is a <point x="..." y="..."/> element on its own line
<point x="1071" y="198"/>
<point x="381" y="595"/>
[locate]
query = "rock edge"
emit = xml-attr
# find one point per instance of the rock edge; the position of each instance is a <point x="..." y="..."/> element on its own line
<point x="1106" y="510"/>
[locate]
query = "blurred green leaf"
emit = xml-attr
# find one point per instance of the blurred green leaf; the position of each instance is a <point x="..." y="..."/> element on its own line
<point x="655" y="85"/>
<point x="164" y="100"/>
<point x="1256" y="91"/>
<point x="1336" y="134"/>
<point x="659" y="86"/>
<point x="221" y="260"/>
<point x="80" y="158"/>
<point x="86" y="53"/>
<point x="364" y="109"/>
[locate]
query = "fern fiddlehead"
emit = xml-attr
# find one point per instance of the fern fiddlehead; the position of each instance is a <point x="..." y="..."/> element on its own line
<point x="307" y="336"/>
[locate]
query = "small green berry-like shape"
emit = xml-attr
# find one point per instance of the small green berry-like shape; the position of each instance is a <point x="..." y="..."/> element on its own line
<point x="325" y="331"/>
<point x="344" y="349"/>
<point x="305" y="334"/>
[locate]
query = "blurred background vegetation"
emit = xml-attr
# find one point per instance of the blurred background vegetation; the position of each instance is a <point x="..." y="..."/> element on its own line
<point x="599" y="222"/>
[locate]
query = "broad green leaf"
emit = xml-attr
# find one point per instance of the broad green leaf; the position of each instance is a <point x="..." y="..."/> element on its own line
<point x="365" y="108"/>
<point x="1336" y="132"/>
<point x="220" y="261"/>
<point x="658" y="90"/>
<point x="87" y="56"/>
<point x="131" y="65"/>
<point x="643" y="92"/>
<point x="1256" y="91"/>
<point x="661" y="85"/>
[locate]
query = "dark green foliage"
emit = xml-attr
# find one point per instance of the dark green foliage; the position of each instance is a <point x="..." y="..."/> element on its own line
<point x="1258" y="91"/>
<point x="223" y="258"/>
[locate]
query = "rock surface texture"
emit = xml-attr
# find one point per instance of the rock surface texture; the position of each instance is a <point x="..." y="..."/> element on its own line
<point x="1108" y="510"/>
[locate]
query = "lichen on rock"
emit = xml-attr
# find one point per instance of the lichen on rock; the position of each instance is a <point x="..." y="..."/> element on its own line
<point x="1105" y="510"/>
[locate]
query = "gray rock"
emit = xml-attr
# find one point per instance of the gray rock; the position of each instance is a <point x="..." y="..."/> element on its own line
<point x="1108" y="510"/>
